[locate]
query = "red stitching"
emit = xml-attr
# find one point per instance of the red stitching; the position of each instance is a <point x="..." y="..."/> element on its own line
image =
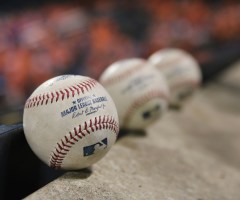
<point x="142" y="100"/>
<point x="52" y="97"/>
<point x="60" y="94"/>
<point x="120" y="77"/>
<point x="62" y="147"/>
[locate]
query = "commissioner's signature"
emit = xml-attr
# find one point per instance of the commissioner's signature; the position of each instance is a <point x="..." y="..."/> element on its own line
<point x="89" y="110"/>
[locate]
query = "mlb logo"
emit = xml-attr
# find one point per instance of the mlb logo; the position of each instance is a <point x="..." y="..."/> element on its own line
<point x="94" y="148"/>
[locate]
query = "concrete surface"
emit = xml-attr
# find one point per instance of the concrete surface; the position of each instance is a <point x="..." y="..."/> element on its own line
<point x="190" y="154"/>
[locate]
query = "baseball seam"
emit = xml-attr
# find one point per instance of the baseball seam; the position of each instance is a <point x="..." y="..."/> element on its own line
<point x="120" y="77"/>
<point x="167" y="63"/>
<point x="63" y="147"/>
<point x="61" y="94"/>
<point x="142" y="100"/>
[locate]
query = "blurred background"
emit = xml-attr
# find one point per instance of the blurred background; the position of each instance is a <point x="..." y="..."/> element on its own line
<point x="43" y="39"/>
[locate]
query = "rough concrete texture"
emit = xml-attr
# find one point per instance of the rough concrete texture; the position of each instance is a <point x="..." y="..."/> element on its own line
<point x="232" y="74"/>
<point x="191" y="154"/>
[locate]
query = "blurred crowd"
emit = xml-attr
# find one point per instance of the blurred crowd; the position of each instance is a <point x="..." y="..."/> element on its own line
<point x="39" y="43"/>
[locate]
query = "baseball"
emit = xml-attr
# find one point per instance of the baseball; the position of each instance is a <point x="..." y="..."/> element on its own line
<point x="70" y="122"/>
<point x="181" y="71"/>
<point x="138" y="90"/>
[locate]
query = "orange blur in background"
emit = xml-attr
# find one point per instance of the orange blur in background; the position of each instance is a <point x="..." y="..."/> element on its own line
<point x="54" y="39"/>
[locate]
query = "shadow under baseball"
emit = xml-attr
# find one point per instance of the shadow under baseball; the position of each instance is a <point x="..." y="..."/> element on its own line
<point x="127" y="132"/>
<point x="78" y="174"/>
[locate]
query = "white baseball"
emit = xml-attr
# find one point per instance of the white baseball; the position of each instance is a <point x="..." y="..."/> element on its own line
<point x="138" y="90"/>
<point x="181" y="71"/>
<point x="70" y="122"/>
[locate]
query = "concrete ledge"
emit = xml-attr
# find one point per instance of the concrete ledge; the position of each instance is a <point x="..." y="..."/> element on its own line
<point x="188" y="154"/>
